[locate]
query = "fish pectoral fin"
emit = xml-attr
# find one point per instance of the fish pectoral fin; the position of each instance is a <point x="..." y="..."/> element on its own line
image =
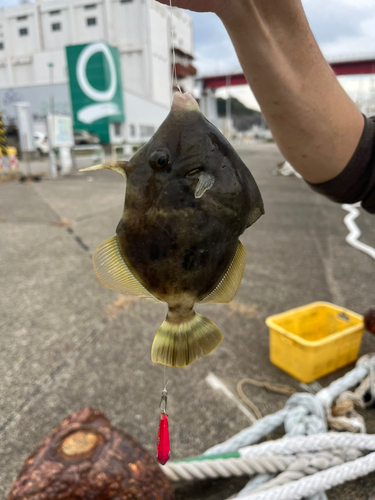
<point x="226" y="289"/>
<point x="113" y="272"/>
<point x="180" y="344"/>
<point x="205" y="182"/>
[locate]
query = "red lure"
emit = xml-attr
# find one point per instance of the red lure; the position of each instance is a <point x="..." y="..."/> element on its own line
<point x="162" y="443"/>
<point x="163" y="449"/>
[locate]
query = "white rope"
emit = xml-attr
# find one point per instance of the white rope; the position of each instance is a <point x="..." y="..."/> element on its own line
<point x="323" y="399"/>
<point x="313" y="443"/>
<point x="324" y="480"/>
<point x="354" y="232"/>
<point x="226" y="467"/>
<point x="291" y="466"/>
<point x="251" y="434"/>
<point x="300" y="456"/>
<point x="310" y="463"/>
<point x="254" y="483"/>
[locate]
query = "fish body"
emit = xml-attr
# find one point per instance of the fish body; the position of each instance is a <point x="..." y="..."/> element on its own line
<point x="188" y="199"/>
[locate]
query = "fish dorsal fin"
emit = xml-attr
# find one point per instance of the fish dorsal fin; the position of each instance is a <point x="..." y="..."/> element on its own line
<point x="227" y="287"/>
<point x="113" y="272"/>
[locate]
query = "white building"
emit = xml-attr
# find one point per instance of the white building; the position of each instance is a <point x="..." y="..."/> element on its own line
<point x="34" y="35"/>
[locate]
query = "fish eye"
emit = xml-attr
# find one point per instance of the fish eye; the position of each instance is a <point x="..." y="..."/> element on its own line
<point x="158" y="160"/>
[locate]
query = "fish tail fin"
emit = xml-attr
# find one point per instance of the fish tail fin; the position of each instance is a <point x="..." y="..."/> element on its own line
<point x="180" y="344"/>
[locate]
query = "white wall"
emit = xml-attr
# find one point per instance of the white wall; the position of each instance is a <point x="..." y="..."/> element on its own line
<point x="18" y="18"/>
<point x="139" y="29"/>
<point x="83" y="32"/>
<point x="182" y="34"/>
<point x="133" y="72"/>
<point x="131" y="38"/>
<point x="141" y="115"/>
<point x="58" y="14"/>
<point x="4" y="75"/>
<point x="39" y="97"/>
<point x="128" y="22"/>
<point x="160" y="57"/>
<point x="23" y="71"/>
<point x="59" y="72"/>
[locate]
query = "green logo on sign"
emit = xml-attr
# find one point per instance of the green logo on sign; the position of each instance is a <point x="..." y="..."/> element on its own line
<point x="95" y="87"/>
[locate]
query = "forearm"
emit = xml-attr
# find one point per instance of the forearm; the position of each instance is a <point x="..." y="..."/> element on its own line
<point x="315" y="124"/>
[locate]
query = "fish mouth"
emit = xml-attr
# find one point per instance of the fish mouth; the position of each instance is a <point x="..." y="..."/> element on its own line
<point x="184" y="102"/>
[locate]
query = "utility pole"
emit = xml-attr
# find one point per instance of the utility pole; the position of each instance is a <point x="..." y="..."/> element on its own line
<point x="52" y="157"/>
<point x="3" y="143"/>
<point x="51" y="96"/>
<point x="228" y="107"/>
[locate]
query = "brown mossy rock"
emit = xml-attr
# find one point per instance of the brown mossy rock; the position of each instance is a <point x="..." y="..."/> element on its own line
<point x="85" y="458"/>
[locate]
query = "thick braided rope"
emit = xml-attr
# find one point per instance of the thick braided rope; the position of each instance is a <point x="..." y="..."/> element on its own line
<point x="313" y="443"/>
<point x="350" y="379"/>
<point x="310" y="463"/>
<point x="321" y="481"/>
<point x="250" y="435"/>
<point x="226" y="467"/>
<point x="294" y="424"/>
<point x="294" y="467"/>
<point x="305" y="415"/>
<point x="254" y="483"/>
<point x="323" y="398"/>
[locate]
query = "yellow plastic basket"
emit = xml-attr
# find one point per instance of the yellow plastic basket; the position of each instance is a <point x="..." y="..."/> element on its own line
<point x="310" y="341"/>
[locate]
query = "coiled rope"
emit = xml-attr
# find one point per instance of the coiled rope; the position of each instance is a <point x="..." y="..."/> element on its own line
<point x="305" y="462"/>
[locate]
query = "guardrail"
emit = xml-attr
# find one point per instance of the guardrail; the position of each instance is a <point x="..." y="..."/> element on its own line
<point x="94" y="152"/>
<point x="123" y="151"/>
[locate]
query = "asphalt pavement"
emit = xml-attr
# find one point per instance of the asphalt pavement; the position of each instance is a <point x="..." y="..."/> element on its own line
<point x="68" y="342"/>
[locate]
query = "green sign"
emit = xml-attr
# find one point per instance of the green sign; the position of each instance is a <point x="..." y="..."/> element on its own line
<point x="95" y="87"/>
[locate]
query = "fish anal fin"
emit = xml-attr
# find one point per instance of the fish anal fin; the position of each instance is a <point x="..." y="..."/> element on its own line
<point x="180" y="344"/>
<point x="113" y="272"/>
<point x="226" y="289"/>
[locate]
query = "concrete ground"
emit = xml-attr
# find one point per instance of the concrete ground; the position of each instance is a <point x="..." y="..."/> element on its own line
<point x="68" y="342"/>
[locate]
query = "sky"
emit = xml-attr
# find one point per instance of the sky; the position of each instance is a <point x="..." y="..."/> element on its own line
<point x="344" y="29"/>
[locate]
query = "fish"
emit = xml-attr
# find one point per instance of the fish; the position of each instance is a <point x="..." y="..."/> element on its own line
<point x="188" y="199"/>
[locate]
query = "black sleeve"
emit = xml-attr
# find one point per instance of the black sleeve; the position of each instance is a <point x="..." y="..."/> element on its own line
<point x="357" y="181"/>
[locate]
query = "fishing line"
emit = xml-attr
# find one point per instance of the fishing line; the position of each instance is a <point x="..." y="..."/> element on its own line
<point x="162" y="454"/>
<point x="174" y="71"/>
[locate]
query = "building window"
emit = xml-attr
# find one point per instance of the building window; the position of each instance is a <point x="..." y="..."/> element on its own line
<point x="23" y="31"/>
<point x="54" y="12"/>
<point x="56" y="26"/>
<point x="91" y="21"/>
<point x="21" y="18"/>
<point x="147" y="131"/>
<point x="117" y="128"/>
<point x="1" y="45"/>
<point x="90" y="6"/>
<point x="126" y="1"/>
<point x="132" y="131"/>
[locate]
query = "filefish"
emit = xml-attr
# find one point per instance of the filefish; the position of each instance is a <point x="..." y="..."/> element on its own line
<point x="188" y="198"/>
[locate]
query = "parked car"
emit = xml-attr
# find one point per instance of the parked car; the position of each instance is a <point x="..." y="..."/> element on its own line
<point x="85" y="137"/>
<point x="41" y="143"/>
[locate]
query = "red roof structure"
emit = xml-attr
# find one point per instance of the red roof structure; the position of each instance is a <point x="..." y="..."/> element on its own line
<point x="360" y="67"/>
